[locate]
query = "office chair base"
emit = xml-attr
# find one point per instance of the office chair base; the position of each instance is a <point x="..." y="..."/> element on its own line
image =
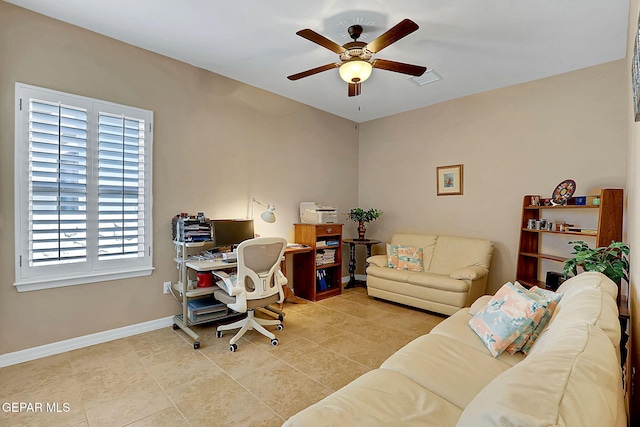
<point x="248" y="323"/>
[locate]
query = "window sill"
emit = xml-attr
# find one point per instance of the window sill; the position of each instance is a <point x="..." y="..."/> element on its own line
<point x="59" y="282"/>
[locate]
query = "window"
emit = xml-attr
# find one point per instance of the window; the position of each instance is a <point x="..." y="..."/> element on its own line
<point x="82" y="190"/>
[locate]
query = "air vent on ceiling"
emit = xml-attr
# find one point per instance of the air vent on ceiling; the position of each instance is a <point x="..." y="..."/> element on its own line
<point x="429" y="76"/>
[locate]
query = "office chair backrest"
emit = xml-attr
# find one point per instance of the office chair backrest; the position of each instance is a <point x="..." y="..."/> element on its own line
<point x="258" y="260"/>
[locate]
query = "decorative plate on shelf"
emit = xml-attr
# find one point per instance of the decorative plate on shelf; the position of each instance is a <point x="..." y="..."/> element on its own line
<point x="563" y="192"/>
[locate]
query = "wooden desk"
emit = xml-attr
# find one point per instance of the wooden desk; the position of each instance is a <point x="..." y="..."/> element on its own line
<point x="352" y="259"/>
<point x="294" y="251"/>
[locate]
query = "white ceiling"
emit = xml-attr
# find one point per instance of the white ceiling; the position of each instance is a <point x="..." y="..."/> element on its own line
<point x="474" y="45"/>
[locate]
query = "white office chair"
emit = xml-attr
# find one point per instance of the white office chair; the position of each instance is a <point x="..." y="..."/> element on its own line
<point x="258" y="283"/>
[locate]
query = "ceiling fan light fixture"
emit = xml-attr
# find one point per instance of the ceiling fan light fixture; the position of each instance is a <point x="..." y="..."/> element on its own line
<point x="355" y="71"/>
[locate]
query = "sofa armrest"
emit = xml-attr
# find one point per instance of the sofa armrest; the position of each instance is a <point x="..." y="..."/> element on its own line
<point x="479" y="304"/>
<point x="378" y="260"/>
<point x="472" y="272"/>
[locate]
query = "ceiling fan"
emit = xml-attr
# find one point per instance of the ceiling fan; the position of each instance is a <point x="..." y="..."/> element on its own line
<point x="356" y="63"/>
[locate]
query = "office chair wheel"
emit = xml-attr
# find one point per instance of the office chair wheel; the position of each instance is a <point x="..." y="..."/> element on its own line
<point x="196" y="345"/>
<point x="175" y="327"/>
<point x="280" y="317"/>
<point x="280" y="327"/>
<point x="219" y="334"/>
<point x="233" y="347"/>
<point x="274" y="342"/>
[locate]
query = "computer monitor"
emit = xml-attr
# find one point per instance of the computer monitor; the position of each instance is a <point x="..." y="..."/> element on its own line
<point x="231" y="232"/>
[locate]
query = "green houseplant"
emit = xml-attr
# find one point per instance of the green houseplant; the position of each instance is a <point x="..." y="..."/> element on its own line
<point x="612" y="260"/>
<point x="362" y="216"/>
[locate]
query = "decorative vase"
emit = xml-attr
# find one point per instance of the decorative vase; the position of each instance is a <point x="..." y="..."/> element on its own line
<point x="361" y="230"/>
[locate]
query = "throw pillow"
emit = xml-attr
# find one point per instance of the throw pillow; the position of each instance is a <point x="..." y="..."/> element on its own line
<point x="410" y="258"/>
<point x="508" y="314"/>
<point x="392" y="256"/>
<point x="525" y="336"/>
<point x="554" y="298"/>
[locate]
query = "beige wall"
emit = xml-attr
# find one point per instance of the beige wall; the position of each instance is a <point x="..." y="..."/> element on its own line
<point x="217" y="144"/>
<point x="523" y="139"/>
<point x="633" y="208"/>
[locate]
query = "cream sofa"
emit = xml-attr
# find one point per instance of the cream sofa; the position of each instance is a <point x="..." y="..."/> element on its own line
<point x="571" y="377"/>
<point x="454" y="276"/>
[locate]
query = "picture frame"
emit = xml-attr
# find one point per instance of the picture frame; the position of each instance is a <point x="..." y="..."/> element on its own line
<point x="450" y="180"/>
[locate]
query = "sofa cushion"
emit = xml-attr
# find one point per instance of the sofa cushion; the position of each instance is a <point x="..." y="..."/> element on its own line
<point x="509" y="314"/>
<point x="438" y="281"/>
<point x="457" y="327"/>
<point x="379" y="398"/>
<point x="469" y="273"/>
<point x="377" y="260"/>
<point x="389" y="273"/>
<point x="425" y="241"/>
<point x="588" y="297"/>
<point x="574" y="382"/>
<point x="436" y="363"/>
<point x="452" y="253"/>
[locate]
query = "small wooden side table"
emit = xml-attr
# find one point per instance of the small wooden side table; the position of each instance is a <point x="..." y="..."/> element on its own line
<point x="352" y="259"/>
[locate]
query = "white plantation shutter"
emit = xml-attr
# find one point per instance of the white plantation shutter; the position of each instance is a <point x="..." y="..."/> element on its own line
<point x="57" y="183"/>
<point x="121" y="184"/>
<point x="83" y="190"/>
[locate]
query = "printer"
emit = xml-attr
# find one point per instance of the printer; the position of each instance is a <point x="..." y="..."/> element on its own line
<point x="318" y="213"/>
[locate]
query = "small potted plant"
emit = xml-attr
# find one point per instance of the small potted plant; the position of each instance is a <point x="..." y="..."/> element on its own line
<point x="612" y="260"/>
<point x="362" y="216"/>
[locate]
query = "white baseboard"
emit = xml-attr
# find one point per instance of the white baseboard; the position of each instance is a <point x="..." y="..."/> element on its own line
<point x="16" y="357"/>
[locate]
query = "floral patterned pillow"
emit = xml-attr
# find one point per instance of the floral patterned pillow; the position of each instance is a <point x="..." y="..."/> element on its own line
<point x="525" y="337"/>
<point x="410" y="258"/>
<point x="508" y="315"/>
<point x="392" y="256"/>
<point x="554" y="298"/>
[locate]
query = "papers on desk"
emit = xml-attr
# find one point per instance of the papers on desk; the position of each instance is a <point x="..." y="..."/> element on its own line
<point x="227" y="281"/>
<point x="204" y="309"/>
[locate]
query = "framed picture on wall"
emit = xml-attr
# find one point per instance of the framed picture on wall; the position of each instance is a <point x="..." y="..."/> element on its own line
<point x="449" y="180"/>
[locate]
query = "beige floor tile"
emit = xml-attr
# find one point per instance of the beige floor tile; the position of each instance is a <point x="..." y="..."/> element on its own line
<point x="176" y="366"/>
<point x="285" y="389"/>
<point x="360" y="350"/>
<point x="158" y="379"/>
<point x="34" y="375"/>
<point x="169" y="417"/>
<point x="321" y="364"/>
<point x="49" y="406"/>
<point x="156" y="341"/>
<point x="221" y="402"/>
<point x="248" y="359"/>
<point x="123" y="406"/>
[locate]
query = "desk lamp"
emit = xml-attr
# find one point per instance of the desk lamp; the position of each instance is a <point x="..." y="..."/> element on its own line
<point x="268" y="215"/>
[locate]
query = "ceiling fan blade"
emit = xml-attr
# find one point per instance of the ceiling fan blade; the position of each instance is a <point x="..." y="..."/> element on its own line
<point x="355" y="89"/>
<point x="394" y="34"/>
<point x="313" y="71"/>
<point x="398" y="67"/>
<point x="321" y="40"/>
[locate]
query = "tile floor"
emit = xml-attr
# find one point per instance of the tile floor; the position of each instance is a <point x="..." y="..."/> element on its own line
<point x="158" y="379"/>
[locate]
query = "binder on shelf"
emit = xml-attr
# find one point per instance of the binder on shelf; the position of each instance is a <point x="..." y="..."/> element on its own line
<point x="322" y="280"/>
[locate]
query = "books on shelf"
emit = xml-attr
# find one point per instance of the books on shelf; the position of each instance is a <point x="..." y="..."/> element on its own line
<point x="326" y="256"/>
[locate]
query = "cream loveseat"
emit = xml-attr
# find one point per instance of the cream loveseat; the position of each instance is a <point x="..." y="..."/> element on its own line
<point x="570" y="377"/>
<point x="454" y="276"/>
